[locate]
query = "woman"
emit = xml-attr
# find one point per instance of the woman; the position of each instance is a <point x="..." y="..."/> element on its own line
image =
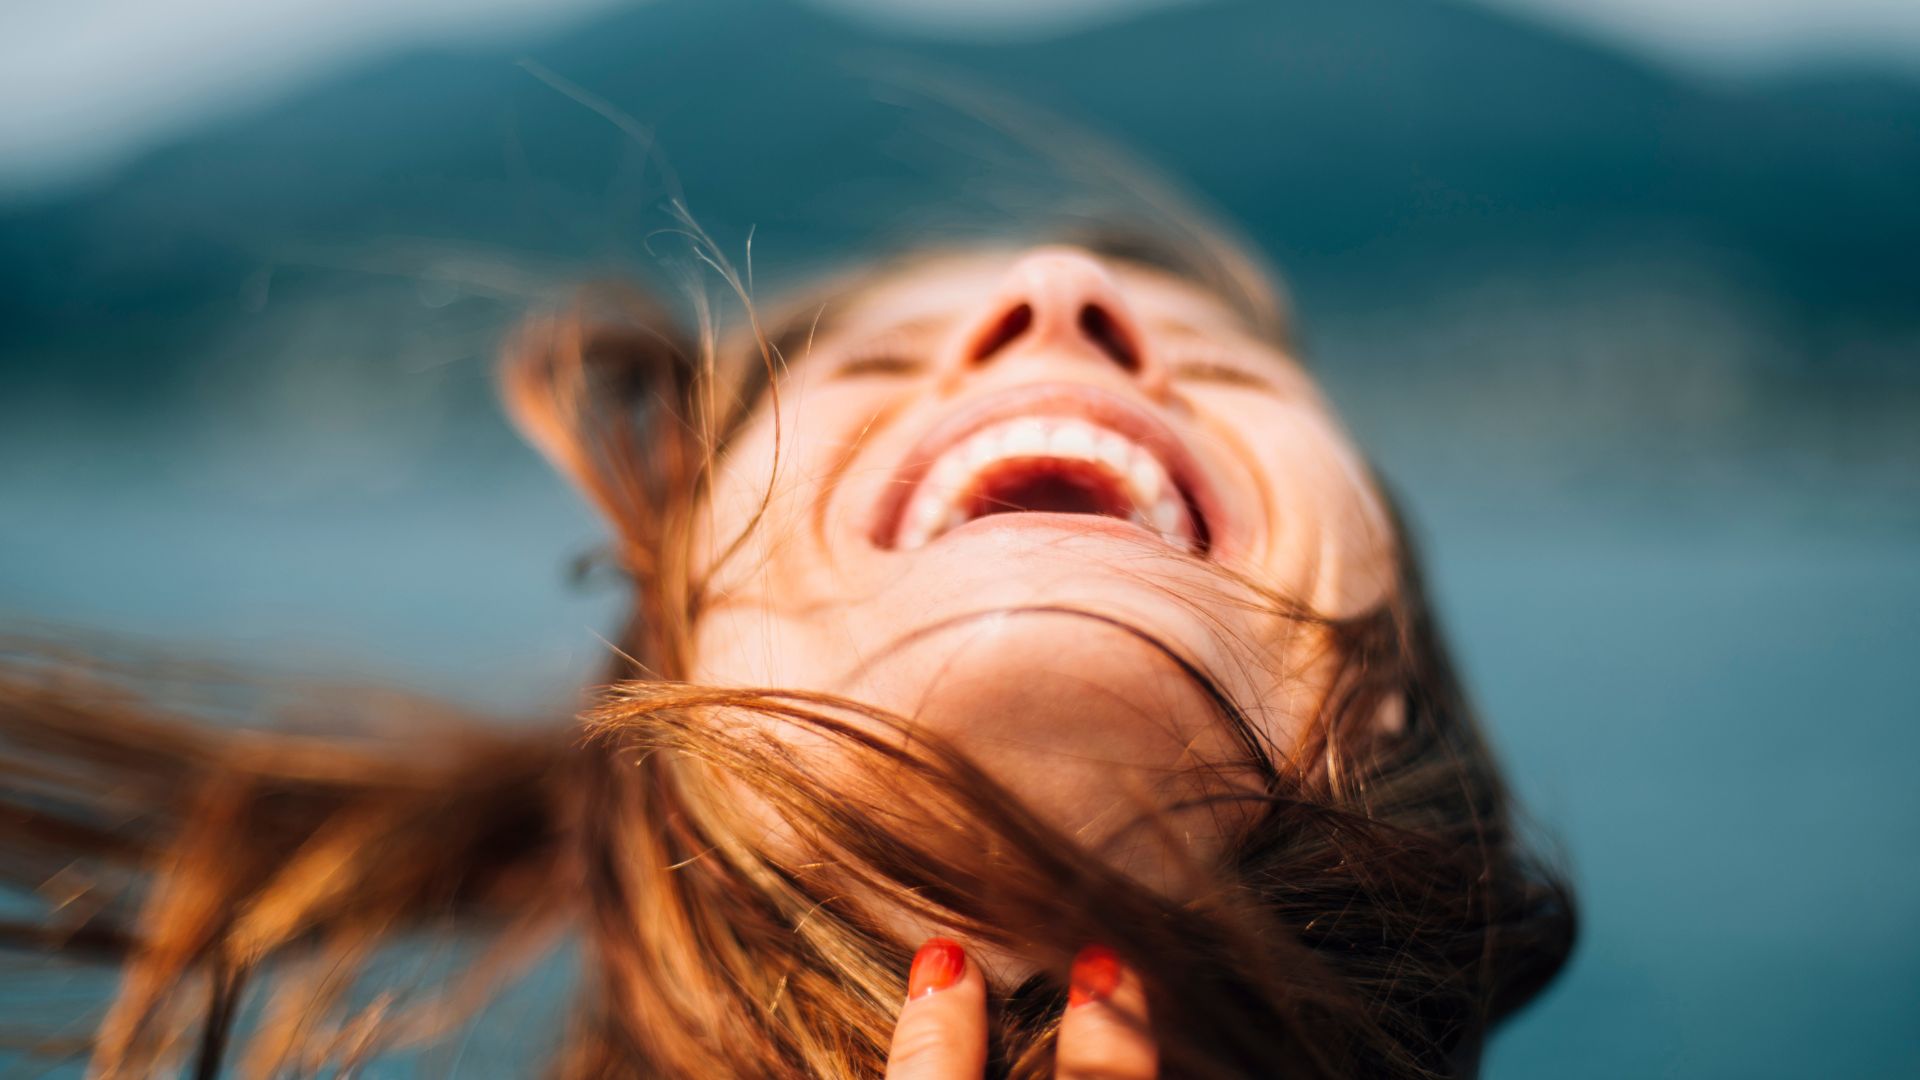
<point x="1026" y="603"/>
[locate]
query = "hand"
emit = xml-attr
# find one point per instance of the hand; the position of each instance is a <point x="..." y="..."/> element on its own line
<point x="942" y="1032"/>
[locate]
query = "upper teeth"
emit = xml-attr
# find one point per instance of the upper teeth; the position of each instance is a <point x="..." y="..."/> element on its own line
<point x="941" y="501"/>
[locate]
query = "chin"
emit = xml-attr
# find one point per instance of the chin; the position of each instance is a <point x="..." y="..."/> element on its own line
<point x="1057" y="661"/>
<point x="1045" y="583"/>
<point x="1077" y="659"/>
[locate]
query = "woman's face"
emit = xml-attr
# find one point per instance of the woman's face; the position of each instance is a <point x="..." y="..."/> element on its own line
<point x="1012" y="496"/>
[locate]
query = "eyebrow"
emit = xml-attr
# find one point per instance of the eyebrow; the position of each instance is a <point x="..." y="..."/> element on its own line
<point x="1175" y="327"/>
<point x="1207" y="370"/>
<point x="827" y="317"/>
<point x="823" y="324"/>
<point x="791" y="339"/>
<point x="919" y="324"/>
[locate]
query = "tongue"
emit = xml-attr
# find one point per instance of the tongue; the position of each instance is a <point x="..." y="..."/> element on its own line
<point x="1050" y="489"/>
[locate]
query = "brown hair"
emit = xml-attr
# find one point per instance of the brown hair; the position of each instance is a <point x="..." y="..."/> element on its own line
<point x="1382" y="912"/>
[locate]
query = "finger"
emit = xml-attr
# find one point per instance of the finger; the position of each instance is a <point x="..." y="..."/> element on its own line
<point x="942" y="1031"/>
<point x="1104" y="1035"/>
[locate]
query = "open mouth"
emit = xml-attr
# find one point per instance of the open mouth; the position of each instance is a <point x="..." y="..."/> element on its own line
<point x="1109" y="462"/>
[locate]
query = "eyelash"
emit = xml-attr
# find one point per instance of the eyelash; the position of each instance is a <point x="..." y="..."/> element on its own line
<point x="879" y="363"/>
<point x="1210" y="367"/>
<point x="885" y="358"/>
<point x="885" y="355"/>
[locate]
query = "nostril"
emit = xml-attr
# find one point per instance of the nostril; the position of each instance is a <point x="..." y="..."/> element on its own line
<point x="1002" y="333"/>
<point x="1101" y="328"/>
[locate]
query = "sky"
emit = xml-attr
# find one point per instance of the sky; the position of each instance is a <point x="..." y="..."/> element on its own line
<point x="85" y="86"/>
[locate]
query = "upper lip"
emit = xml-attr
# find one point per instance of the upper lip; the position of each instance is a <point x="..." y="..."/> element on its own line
<point x="1091" y="403"/>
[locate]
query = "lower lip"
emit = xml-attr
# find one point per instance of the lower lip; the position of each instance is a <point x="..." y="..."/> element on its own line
<point x="1046" y="521"/>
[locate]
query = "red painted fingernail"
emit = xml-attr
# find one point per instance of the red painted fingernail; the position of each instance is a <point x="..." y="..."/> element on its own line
<point x="938" y="965"/>
<point x="1096" y="972"/>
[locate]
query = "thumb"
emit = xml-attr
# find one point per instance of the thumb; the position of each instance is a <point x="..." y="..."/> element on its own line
<point x="942" y="1031"/>
<point x="1105" y="1034"/>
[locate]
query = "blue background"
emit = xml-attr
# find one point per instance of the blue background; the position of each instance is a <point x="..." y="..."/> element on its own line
<point x="1639" y="348"/>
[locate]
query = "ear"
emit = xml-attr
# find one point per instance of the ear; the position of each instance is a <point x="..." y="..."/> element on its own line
<point x="602" y="388"/>
<point x="1390" y="718"/>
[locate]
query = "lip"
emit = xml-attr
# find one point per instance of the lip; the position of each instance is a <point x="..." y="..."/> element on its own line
<point x="1068" y="400"/>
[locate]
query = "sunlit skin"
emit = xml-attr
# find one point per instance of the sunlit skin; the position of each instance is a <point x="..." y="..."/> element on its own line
<point x="1069" y="707"/>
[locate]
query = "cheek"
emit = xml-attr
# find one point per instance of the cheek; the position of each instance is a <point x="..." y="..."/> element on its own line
<point x="1344" y="528"/>
<point x="770" y="617"/>
<point x="738" y="491"/>
<point x="1104" y="739"/>
<point x="772" y="483"/>
<point x="1327" y="541"/>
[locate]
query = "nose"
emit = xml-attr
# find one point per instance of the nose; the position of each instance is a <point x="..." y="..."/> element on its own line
<point x="1056" y="302"/>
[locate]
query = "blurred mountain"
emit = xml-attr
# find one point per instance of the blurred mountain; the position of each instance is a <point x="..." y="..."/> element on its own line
<point x="1370" y="145"/>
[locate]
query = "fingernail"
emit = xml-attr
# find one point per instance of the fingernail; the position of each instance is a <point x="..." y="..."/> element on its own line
<point x="1096" y="972"/>
<point x="938" y="965"/>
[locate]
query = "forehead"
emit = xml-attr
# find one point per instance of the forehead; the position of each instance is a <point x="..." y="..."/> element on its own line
<point x="934" y="290"/>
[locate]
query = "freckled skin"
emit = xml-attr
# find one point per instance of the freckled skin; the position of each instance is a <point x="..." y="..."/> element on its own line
<point x="1082" y="718"/>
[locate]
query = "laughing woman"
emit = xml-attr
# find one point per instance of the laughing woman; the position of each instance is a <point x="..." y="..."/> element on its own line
<point x="1016" y="635"/>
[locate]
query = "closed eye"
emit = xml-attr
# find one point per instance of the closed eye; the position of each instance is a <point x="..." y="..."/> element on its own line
<point x="1207" y="370"/>
<point x="897" y="352"/>
<point x="880" y="364"/>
